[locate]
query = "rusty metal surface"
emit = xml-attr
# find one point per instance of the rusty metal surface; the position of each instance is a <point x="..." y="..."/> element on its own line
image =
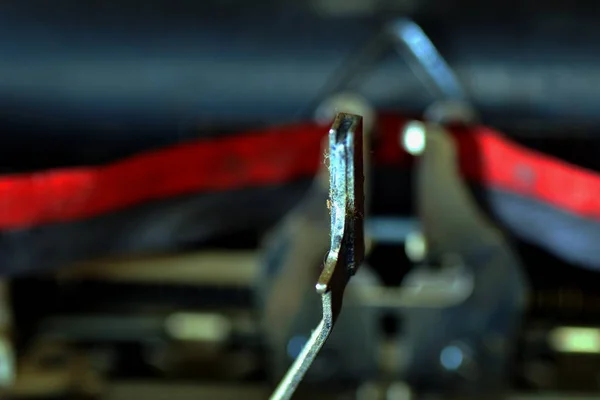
<point x="346" y="253"/>
<point x="346" y="204"/>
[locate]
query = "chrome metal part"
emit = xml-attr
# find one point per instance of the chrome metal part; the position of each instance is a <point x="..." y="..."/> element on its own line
<point x="425" y="61"/>
<point x="451" y="100"/>
<point x="412" y="44"/>
<point x="294" y="376"/>
<point x="346" y="253"/>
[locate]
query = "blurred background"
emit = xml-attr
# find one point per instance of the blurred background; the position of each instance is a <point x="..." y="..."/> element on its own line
<point x="163" y="191"/>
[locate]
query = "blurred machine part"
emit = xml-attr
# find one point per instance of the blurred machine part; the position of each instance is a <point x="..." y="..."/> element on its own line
<point x="7" y="356"/>
<point x="477" y="341"/>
